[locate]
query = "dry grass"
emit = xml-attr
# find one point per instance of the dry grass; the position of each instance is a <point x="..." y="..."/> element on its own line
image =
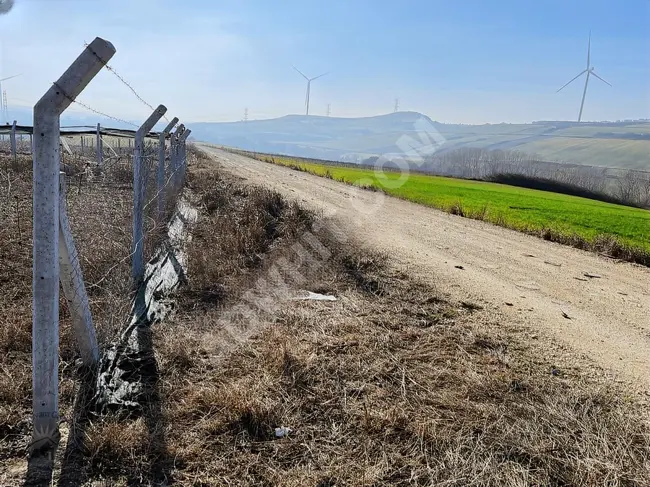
<point x="238" y="226"/>
<point x="100" y="217"/>
<point x="389" y="385"/>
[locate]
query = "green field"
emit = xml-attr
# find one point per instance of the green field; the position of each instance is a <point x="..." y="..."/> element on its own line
<point x="570" y="219"/>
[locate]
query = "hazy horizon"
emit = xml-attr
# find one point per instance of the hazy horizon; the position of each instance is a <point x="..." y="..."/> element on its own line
<point x="463" y="62"/>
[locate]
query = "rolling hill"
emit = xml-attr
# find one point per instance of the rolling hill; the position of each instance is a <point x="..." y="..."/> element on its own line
<point x="608" y="144"/>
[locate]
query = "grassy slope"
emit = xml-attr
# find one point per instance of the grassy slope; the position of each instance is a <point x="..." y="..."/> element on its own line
<point x="632" y="154"/>
<point x="518" y="208"/>
<point x="560" y="145"/>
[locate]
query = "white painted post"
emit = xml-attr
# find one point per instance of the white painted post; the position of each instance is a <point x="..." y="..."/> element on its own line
<point x="13" y="140"/>
<point x="137" y="265"/>
<point x="45" y="271"/>
<point x="160" y="176"/>
<point x="99" y="145"/>
<point x="73" y="285"/>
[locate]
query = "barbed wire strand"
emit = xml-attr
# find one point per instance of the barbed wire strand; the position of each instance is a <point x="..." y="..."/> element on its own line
<point x="97" y="112"/>
<point x="128" y="85"/>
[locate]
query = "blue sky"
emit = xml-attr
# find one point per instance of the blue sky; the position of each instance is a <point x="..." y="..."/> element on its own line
<point x="466" y="61"/>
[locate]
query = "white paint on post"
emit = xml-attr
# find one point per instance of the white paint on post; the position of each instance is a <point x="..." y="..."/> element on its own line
<point x="73" y="286"/>
<point x="160" y="175"/>
<point x="45" y="277"/>
<point x="139" y="180"/>
<point x="13" y="140"/>
<point x="99" y="145"/>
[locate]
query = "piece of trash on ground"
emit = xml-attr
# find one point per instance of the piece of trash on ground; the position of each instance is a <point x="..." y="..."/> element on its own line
<point x="316" y="297"/>
<point x="282" y="431"/>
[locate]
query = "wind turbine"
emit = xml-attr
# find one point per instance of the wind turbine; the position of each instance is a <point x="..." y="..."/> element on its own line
<point x="309" y="80"/>
<point x="590" y="71"/>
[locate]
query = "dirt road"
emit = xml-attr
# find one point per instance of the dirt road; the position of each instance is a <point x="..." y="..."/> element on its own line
<point x="597" y="308"/>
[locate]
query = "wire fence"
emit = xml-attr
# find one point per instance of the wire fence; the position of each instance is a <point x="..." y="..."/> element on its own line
<point x="95" y="203"/>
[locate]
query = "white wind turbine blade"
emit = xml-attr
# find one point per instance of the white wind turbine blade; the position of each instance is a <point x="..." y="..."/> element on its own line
<point x="301" y="73"/>
<point x="567" y="84"/>
<point x="589" y="52"/>
<point x="601" y="79"/>
<point x="319" y="76"/>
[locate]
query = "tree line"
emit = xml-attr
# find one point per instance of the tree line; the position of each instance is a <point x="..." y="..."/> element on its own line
<point x="628" y="187"/>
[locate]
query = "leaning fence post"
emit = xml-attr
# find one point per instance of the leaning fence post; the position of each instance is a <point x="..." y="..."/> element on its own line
<point x="160" y="176"/>
<point x="73" y="286"/>
<point x="45" y="267"/>
<point x="13" y="140"/>
<point x="99" y="144"/>
<point x="139" y="181"/>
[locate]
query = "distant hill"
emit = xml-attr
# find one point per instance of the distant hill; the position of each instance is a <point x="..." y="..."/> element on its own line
<point x="610" y="144"/>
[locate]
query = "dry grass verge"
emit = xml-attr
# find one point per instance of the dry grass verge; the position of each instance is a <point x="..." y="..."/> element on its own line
<point x="100" y="217"/>
<point x="389" y="385"/>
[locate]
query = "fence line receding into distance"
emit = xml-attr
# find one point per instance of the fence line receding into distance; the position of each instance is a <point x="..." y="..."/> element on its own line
<point x="157" y="162"/>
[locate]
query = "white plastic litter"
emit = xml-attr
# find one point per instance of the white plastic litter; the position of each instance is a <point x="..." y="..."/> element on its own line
<point x="282" y="431"/>
<point x="316" y="297"/>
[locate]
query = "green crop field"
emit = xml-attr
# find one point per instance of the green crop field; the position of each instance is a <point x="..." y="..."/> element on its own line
<point x="580" y="221"/>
